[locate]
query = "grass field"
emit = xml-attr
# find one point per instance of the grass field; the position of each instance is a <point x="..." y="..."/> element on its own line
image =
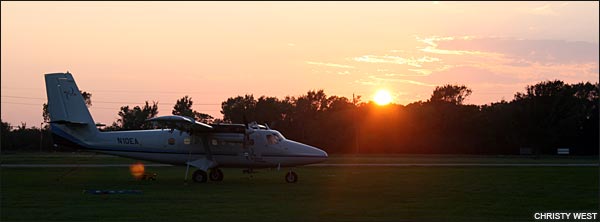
<point x="322" y="193"/>
<point x="90" y="158"/>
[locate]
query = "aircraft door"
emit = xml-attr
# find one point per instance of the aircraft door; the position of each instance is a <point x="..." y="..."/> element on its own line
<point x="254" y="144"/>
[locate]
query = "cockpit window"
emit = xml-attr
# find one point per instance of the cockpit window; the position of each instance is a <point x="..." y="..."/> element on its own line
<point x="280" y="135"/>
<point x="274" y="138"/>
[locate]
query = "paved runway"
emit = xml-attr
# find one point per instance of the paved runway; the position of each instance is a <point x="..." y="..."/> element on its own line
<point x="75" y="165"/>
<point x="456" y="164"/>
<point x="332" y="165"/>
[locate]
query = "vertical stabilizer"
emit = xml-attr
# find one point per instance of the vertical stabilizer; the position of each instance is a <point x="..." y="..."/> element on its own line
<point x="66" y="105"/>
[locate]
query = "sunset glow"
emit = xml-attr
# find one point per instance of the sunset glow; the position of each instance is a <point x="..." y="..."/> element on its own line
<point x="126" y="53"/>
<point x="382" y="97"/>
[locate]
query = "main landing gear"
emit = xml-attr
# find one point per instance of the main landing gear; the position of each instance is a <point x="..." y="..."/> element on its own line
<point x="200" y="176"/>
<point x="216" y="174"/>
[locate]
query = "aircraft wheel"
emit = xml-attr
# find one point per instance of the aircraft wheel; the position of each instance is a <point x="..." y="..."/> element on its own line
<point x="291" y="177"/>
<point x="216" y="174"/>
<point x="199" y="176"/>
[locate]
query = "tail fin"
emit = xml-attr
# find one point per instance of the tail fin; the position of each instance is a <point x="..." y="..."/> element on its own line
<point x="66" y="105"/>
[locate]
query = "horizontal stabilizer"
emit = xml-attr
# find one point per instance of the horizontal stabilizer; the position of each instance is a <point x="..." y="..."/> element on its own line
<point x="68" y="122"/>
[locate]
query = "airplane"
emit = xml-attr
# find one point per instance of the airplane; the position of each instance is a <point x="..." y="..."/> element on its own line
<point x="181" y="141"/>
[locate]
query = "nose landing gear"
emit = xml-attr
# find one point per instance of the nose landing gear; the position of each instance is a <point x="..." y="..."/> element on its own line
<point x="291" y="177"/>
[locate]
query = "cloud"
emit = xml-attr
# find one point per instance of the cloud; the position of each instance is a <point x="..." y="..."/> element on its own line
<point x="510" y="60"/>
<point x="523" y="51"/>
<point x="421" y="72"/>
<point x="330" y="65"/>
<point x="432" y="46"/>
<point x="412" y="73"/>
<point x="431" y="49"/>
<point x="547" y="9"/>
<point x="468" y="75"/>
<point x="432" y="41"/>
<point x="416" y="62"/>
<point x="543" y="10"/>
<point x="386" y="79"/>
<point x="365" y="82"/>
<point x="494" y="67"/>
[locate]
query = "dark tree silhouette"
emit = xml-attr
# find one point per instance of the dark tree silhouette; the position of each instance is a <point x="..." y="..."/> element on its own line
<point x="5" y="135"/>
<point x="450" y="94"/>
<point x="235" y="108"/>
<point x="546" y="116"/>
<point x="553" y="114"/>
<point x="271" y="110"/>
<point x="132" y="119"/>
<point x="183" y="107"/>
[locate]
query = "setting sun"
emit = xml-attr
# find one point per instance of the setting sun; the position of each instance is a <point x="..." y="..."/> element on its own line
<point x="382" y="97"/>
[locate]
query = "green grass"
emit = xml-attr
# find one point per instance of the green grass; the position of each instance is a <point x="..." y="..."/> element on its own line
<point x="322" y="194"/>
<point x="416" y="158"/>
<point x="64" y="158"/>
<point x="90" y="158"/>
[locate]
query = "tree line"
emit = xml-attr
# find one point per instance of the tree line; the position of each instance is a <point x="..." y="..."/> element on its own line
<point x="548" y="115"/>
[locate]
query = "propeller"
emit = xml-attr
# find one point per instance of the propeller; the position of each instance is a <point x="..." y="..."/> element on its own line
<point x="246" y="136"/>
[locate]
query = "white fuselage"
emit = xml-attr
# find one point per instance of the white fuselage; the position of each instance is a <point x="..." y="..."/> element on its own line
<point x="264" y="148"/>
<point x="217" y="145"/>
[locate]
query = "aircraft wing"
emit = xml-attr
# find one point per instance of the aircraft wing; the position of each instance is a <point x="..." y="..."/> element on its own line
<point x="182" y="123"/>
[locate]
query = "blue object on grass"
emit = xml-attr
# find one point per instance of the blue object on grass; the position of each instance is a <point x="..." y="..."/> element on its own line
<point x="112" y="191"/>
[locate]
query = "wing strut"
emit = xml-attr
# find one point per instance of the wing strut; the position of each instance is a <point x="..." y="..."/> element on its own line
<point x="202" y="163"/>
<point x="187" y="168"/>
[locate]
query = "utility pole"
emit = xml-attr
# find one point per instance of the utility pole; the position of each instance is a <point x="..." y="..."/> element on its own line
<point x="41" y="135"/>
<point x="355" y="124"/>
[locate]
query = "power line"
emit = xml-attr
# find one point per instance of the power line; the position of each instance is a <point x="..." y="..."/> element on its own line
<point x="23" y="97"/>
<point x="91" y="107"/>
<point x="34" y="104"/>
<point x="94" y="101"/>
<point x="131" y="91"/>
<point x="21" y="103"/>
<point x="212" y="92"/>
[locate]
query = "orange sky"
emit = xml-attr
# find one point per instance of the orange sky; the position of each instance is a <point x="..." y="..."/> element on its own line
<point x="125" y="53"/>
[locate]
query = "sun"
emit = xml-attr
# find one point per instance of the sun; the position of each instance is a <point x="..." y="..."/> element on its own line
<point x="382" y="97"/>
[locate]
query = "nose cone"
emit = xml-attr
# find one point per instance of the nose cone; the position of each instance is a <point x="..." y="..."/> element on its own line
<point x="317" y="152"/>
<point x="308" y="153"/>
<point x="316" y="155"/>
